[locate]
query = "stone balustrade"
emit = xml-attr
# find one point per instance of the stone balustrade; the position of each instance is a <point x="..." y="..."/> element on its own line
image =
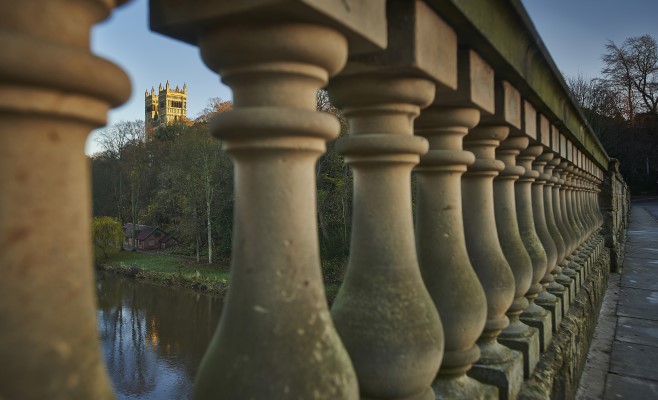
<point x="519" y="212"/>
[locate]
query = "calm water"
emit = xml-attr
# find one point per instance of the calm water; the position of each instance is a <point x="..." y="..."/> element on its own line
<point x="153" y="337"/>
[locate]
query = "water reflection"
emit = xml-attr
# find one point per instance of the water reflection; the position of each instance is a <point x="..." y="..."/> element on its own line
<point x="153" y="337"/>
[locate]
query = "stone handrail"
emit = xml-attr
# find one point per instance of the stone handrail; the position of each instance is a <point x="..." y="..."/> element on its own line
<point x="519" y="208"/>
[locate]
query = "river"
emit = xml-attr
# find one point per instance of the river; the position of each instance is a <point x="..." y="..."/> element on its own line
<point x="153" y="337"/>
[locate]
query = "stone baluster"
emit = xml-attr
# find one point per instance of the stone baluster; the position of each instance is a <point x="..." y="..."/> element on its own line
<point x="49" y="102"/>
<point x="596" y="204"/>
<point x="545" y="167"/>
<point x="498" y="365"/>
<point x="517" y="335"/>
<point x="575" y="192"/>
<point x="589" y="204"/>
<point x="582" y="217"/>
<point x="590" y="180"/>
<point x="533" y="315"/>
<point x="554" y="287"/>
<point x="567" y="227"/>
<point x="275" y="310"/>
<point x="577" y="261"/>
<point x="591" y="209"/>
<point x="566" y="288"/>
<point x="558" y="190"/>
<point x="582" y="200"/>
<point x="559" y="204"/>
<point x="545" y="298"/>
<point x="594" y="199"/>
<point x="383" y="312"/>
<point x="445" y="266"/>
<point x="595" y="241"/>
<point x="600" y="175"/>
<point x="591" y="198"/>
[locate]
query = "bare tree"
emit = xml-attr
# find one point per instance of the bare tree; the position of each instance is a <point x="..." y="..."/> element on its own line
<point x="215" y="106"/>
<point x="594" y="96"/>
<point x="632" y="69"/>
<point x="114" y="139"/>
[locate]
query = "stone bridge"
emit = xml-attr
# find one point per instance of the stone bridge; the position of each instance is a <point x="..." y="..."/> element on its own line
<point x="492" y="292"/>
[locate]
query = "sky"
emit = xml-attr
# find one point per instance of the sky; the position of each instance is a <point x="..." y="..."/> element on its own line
<point x="574" y="32"/>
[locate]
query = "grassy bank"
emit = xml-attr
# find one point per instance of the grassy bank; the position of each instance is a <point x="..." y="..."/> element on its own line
<point x="168" y="270"/>
<point x="184" y="272"/>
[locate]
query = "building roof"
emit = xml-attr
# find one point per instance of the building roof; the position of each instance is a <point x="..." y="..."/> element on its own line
<point x="142" y="231"/>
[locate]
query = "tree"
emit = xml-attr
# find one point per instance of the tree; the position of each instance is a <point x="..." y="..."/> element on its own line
<point x="334" y="190"/>
<point x="208" y="158"/>
<point x="214" y="107"/>
<point x="114" y="141"/>
<point x="632" y="70"/>
<point x="594" y="96"/>
<point x="116" y="138"/>
<point x="622" y="107"/>
<point x="135" y="165"/>
<point x="195" y="183"/>
<point x="106" y="234"/>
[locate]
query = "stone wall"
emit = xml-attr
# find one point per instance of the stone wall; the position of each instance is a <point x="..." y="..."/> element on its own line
<point x="558" y="372"/>
<point x="615" y="205"/>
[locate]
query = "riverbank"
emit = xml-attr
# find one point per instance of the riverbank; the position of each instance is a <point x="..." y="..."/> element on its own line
<point x="175" y="271"/>
<point x="168" y="270"/>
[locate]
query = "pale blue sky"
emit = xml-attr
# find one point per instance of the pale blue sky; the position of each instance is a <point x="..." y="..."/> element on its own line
<point x="574" y="32"/>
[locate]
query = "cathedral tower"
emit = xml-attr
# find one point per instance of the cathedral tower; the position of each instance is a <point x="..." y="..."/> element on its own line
<point x="167" y="107"/>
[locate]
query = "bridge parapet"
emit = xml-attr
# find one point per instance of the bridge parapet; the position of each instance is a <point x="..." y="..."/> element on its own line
<point x="520" y="212"/>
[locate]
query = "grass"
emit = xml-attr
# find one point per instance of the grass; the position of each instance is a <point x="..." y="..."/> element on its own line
<point x="185" y="272"/>
<point x="168" y="270"/>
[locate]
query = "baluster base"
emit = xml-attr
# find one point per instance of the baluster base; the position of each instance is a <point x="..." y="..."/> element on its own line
<point x="562" y="293"/>
<point x="573" y="273"/>
<point x="463" y="387"/>
<point x="554" y="306"/>
<point x="527" y="343"/>
<point x="570" y="285"/>
<point x="425" y="395"/>
<point x="506" y="376"/>
<point x="542" y="321"/>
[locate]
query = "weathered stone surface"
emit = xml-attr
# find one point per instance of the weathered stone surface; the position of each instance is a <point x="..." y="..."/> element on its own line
<point x="447" y="270"/>
<point x="275" y="308"/>
<point x="558" y="371"/>
<point x="445" y="266"/>
<point x="383" y="312"/>
<point x="362" y="22"/>
<point x="420" y="44"/>
<point x="487" y="258"/>
<point x="507" y="376"/>
<point x="613" y="207"/>
<point x="475" y="84"/>
<point x="543" y="322"/>
<point x="463" y="387"/>
<point x="517" y="335"/>
<point x="528" y="345"/>
<point x="507" y="106"/>
<point x="53" y="92"/>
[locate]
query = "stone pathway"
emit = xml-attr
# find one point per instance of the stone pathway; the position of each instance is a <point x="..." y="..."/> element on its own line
<point x="623" y="358"/>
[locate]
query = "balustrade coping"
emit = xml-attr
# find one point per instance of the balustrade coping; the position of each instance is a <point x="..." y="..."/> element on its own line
<point x="503" y="34"/>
